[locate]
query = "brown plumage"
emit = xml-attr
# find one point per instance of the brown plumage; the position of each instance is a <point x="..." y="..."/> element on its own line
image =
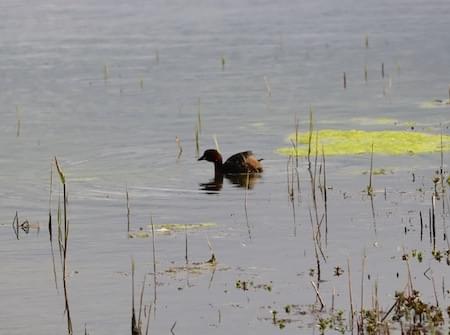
<point x="242" y="162"/>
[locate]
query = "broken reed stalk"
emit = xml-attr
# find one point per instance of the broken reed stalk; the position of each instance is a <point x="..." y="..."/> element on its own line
<point x="180" y="148"/>
<point x="50" y="203"/>
<point x="294" y="148"/>
<point x="350" y="293"/>
<point x="148" y="319"/>
<point x="19" y="117"/>
<point x="289" y="183"/>
<point x="322" y="305"/>
<point x="50" y="228"/>
<point x="197" y="144"/>
<point x="247" y="182"/>
<point x="375" y="301"/>
<point x="410" y="282"/>
<point x="172" y="328"/>
<point x="15" y="225"/>
<point x="199" y="117"/>
<point x="297" y="125"/>
<point x="311" y="128"/>
<point x="333" y="295"/>
<point x="366" y="73"/>
<point x="382" y="70"/>
<point x="316" y="253"/>
<point x="314" y="193"/>
<point x="290" y="186"/>
<point x="216" y="143"/>
<point x="430" y="226"/>
<point x="325" y="197"/>
<point x="433" y="220"/>
<point x="366" y="41"/>
<point x="363" y="268"/>
<point x="128" y="209"/>
<point x="370" y="187"/>
<point x="154" y="259"/>
<point x="441" y="168"/>
<point x="421" y="226"/>
<point x="434" y="289"/>
<point x="344" y="79"/>
<point x="135" y="330"/>
<point x="59" y="221"/>
<point x="65" y="245"/>
<point x="140" y="304"/>
<point x="186" y="244"/>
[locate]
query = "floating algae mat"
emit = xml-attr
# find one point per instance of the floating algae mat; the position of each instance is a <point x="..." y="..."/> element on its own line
<point x="169" y="228"/>
<point x="436" y="103"/>
<point x="355" y="142"/>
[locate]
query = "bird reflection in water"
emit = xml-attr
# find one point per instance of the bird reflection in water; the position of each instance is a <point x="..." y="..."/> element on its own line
<point x="239" y="180"/>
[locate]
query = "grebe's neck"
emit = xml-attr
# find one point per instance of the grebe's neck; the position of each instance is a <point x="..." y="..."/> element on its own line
<point x="218" y="168"/>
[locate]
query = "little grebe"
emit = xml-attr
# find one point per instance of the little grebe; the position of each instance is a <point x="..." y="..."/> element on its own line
<point x="242" y="162"/>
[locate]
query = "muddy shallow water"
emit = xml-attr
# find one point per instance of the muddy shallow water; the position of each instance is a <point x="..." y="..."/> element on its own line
<point x="108" y="87"/>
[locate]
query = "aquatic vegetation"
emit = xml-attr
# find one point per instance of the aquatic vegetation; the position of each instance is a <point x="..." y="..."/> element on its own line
<point x="170" y="228"/>
<point x="435" y="103"/>
<point x="245" y="285"/>
<point x="356" y="142"/>
<point x="335" y="321"/>
<point x="420" y="316"/>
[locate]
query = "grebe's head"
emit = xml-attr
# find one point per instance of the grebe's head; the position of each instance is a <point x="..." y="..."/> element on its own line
<point x="211" y="155"/>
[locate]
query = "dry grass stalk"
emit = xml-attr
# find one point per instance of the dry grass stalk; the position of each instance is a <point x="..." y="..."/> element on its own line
<point x="310" y="134"/>
<point x="316" y="253"/>
<point x="135" y="329"/>
<point x="15" y="225"/>
<point x="363" y="268"/>
<point x="128" y="208"/>
<point x="325" y="196"/>
<point x="154" y="260"/>
<point x="19" y="117"/>
<point x="199" y="117"/>
<point x="65" y="246"/>
<point x="216" y="143"/>
<point x="350" y="294"/>
<point x="180" y="148"/>
<point x="322" y="305"/>
<point x="186" y="244"/>
<point x="370" y="190"/>
<point x="247" y="182"/>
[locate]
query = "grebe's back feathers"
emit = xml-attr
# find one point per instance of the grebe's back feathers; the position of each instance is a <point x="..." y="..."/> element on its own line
<point x="242" y="162"/>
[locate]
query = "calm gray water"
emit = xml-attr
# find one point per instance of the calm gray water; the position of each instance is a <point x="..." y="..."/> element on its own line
<point x="107" y="86"/>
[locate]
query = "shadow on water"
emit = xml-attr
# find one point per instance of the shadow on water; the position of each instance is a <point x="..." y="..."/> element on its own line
<point x="239" y="180"/>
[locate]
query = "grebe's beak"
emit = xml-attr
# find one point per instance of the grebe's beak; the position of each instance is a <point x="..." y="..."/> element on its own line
<point x="201" y="158"/>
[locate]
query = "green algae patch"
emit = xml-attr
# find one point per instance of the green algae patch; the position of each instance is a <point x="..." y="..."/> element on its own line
<point x="357" y="142"/>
